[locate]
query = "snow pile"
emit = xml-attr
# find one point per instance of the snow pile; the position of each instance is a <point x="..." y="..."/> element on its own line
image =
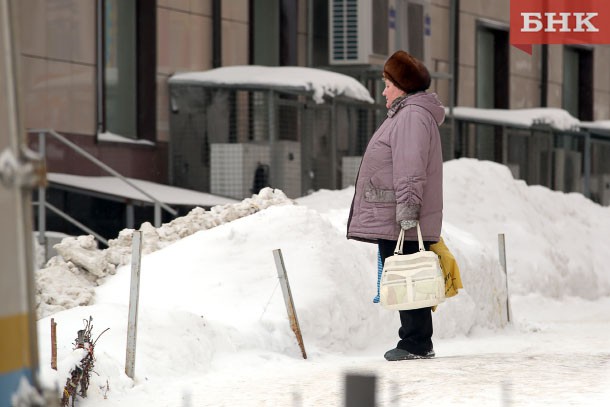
<point x="555" y="242"/>
<point x="69" y="278"/>
<point x="320" y="82"/>
<point x="211" y="301"/>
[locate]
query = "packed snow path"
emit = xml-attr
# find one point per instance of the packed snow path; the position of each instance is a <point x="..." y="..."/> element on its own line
<point x="559" y="357"/>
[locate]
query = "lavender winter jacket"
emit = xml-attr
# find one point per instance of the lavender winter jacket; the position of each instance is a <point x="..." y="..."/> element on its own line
<point x="401" y="174"/>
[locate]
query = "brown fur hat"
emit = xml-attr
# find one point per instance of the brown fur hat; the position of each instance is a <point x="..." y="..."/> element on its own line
<point x="407" y="72"/>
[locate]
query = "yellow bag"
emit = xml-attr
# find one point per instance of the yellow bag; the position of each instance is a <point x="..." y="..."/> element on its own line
<point x="450" y="268"/>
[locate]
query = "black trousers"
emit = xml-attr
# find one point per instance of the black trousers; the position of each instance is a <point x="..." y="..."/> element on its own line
<point x="415" y="330"/>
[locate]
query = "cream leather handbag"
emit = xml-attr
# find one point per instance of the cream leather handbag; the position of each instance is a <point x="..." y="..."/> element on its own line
<point x="411" y="281"/>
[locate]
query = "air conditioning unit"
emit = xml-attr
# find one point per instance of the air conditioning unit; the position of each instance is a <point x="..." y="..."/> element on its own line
<point x="350" y="31"/>
<point x="367" y="31"/>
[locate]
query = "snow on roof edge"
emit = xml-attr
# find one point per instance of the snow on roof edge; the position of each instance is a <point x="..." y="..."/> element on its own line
<point x="557" y="118"/>
<point x="321" y="82"/>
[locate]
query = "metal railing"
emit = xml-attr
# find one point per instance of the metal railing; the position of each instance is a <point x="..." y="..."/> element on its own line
<point x="43" y="205"/>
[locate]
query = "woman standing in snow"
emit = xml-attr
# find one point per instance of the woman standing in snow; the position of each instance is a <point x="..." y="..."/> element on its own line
<point x="400" y="183"/>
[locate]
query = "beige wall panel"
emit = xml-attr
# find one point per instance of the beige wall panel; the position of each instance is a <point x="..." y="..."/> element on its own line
<point x="601" y="58"/>
<point x="234" y="43"/>
<point x="467" y="42"/>
<point x="466" y="90"/>
<point x="182" y="5"/>
<point x="556" y="63"/>
<point x="523" y="64"/>
<point x="58" y="85"/>
<point x="302" y="49"/>
<point x="84" y="31"/>
<point x="203" y="7"/>
<point x="601" y="105"/>
<point x="494" y="9"/>
<point x="235" y="10"/>
<point x="302" y="15"/>
<point x="162" y="108"/>
<point x="60" y="38"/>
<point x="201" y="43"/>
<point x="179" y="41"/>
<point x="34" y="80"/>
<point x="554" y="95"/>
<point x="524" y="92"/>
<point x="173" y="42"/>
<point x="33" y="27"/>
<point x="82" y="99"/>
<point x="441" y="3"/>
<point x="163" y="41"/>
<point x="439" y="46"/>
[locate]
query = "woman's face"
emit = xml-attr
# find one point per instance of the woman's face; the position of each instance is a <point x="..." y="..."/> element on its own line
<point x="391" y="92"/>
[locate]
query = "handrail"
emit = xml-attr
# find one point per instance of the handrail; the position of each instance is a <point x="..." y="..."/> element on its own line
<point x="104" y="167"/>
<point x="73" y="221"/>
<point x="43" y="204"/>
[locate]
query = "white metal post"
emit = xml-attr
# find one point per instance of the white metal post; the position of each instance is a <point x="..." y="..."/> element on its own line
<point x="502" y="255"/>
<point x="134" y="295"/>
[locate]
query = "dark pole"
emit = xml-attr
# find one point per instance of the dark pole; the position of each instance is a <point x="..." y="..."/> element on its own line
<point x="216" y="33"/>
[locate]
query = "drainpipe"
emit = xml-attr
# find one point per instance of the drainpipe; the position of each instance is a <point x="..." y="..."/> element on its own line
<point x="216" y="33"/>
<point x="544" y="76"/>
<point x="454" y="30"/>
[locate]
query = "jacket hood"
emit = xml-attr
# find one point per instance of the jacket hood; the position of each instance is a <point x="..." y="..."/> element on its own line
<point x="428" y="101"/>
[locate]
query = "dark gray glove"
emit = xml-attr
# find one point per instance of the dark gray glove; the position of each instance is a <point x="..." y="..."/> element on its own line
<point x="408" y="224"/>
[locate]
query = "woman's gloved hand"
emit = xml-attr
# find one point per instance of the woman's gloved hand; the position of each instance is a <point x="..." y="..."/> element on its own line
<point x="408" y="224"/>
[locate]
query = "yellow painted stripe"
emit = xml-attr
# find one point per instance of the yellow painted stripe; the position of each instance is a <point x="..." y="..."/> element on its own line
<point x="14" y="343"/>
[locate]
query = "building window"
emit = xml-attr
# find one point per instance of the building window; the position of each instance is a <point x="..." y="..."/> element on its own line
<point x="320" y="38"/>
<point x="492" y="68"/>
<point x="127" y="68"/>
<point x="578" y="82"/>
<point x="492" y="81"/>
<point x="273" y="32"/>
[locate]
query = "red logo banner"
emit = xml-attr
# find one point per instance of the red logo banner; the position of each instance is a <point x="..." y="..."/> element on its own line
<point x="559" y="22"/>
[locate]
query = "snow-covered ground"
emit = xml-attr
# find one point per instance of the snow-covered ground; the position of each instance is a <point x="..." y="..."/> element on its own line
<point x="213" y="329"/>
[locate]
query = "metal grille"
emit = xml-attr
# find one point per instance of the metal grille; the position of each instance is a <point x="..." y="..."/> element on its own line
<point x="345" y="30"/>
<point x="568" y="161"/>
<point x="222" y="136"/>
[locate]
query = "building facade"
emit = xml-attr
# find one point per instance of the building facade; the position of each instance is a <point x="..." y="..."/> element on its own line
<point x="96" y="69"/>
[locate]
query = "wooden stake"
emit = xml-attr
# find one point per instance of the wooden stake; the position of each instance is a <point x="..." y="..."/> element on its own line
<point x="292" y="314"/>
<point x="53" y="344"/>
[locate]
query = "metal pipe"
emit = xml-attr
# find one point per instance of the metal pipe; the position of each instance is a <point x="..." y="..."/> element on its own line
<point x="100" y="65"/>
<point x="216" y="33"/>
<point x="453" y="33"/>
<point x="42" y="198"/>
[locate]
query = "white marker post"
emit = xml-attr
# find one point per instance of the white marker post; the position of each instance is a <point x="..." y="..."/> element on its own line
<point x="502" y="255"/>
<point x="134" y="295"/>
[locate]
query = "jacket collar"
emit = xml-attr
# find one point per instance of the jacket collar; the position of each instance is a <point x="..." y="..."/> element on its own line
<point x="398" y="104"/>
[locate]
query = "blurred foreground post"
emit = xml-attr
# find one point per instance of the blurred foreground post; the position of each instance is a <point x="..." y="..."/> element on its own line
<point x="292" y="314"/>
<point x="502" y="255"/>
<point x="19" y="175"/>
<point x="359" y="390"/>
<point x="134" y="295"/>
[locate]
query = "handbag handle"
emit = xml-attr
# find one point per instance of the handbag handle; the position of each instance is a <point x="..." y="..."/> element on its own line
<point x="401" y="239"/>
